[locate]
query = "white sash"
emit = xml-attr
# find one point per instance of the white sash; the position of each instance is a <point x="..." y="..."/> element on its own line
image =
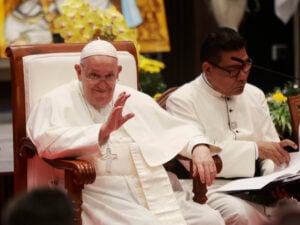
<point x="160" y="197"/>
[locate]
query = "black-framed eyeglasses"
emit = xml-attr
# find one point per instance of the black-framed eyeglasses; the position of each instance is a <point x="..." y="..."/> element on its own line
<point x="235" y="71"/>
<point x="95" y="79"/>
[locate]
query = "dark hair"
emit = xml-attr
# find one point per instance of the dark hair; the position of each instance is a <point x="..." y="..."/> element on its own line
<point x="43" y="206"/>
<point x="218" y="41"/>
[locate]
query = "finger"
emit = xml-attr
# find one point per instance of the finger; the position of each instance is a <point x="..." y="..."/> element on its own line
<point x="281" y="155"/>
<point x="116" y="113"/>
<point x="276" y="158"/>
<point x="201" y="173"/>
<point x="211" y="173"/>
<point x="127" y="117"/>
<point x="195" y="170"/>
<point x="285" y="156"/>
<point x="214" y="168"/>
<point x="288" y="142"/>
<point x="122" y="98"/>
<point x="119" y="98"/>
<point x="208" y="175"/>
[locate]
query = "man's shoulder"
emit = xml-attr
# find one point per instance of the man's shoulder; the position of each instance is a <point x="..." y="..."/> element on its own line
<point x="191" y="88"/>
<point x="252" y="89"/>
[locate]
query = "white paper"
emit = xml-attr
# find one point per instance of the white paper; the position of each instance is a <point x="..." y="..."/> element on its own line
<point x="256" y="183"/>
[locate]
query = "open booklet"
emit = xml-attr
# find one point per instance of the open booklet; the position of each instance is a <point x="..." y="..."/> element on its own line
<point x="264" y="189"/>
<point x="289" y="173"/>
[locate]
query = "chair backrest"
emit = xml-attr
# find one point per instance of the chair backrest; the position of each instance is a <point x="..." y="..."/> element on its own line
<point x="32" y="65"/>
<point x="162" y="100"/>
<point x="60" y="67"/>
<point x="294" y="107"/>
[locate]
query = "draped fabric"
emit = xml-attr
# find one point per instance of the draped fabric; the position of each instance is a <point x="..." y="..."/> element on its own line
<point x="124" y="191"/>
<point x="284" y="9"/>
<point x="228" y="13"/>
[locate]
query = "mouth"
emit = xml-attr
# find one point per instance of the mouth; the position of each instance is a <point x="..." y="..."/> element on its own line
<point x="98" y="90"/>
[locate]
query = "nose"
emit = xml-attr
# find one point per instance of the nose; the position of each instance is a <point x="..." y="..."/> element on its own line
<point x="244" y="72"/>
<point x="243" y="75"/>
<point x="102" y="83"/>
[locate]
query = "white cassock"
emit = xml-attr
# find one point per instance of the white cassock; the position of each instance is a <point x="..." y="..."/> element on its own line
<point x="64" y="124"/>
<point x="233" y="123"/>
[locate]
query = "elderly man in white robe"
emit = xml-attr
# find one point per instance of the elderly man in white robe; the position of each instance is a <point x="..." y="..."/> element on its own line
<point x="233" y="113"/>
<point x="128" y="137"/>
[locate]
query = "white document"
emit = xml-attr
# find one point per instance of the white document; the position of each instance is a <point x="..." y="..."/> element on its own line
<point x="256" y="183"/>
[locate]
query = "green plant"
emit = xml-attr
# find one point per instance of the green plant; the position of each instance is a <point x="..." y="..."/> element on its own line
<point x="151" y="80"/>
<point x="277" y="102"/>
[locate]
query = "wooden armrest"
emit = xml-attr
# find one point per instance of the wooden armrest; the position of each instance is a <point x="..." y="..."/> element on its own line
<point x="77" y="173"/>
<point x="200" y="189"/>
<point x="26" y="149"/>
<point x="83" y="172"/>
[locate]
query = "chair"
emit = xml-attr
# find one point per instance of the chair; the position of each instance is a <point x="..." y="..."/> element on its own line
<point x="294" y="107"/>
<point x="199" y="189"/>
<point x="24" y="59"/>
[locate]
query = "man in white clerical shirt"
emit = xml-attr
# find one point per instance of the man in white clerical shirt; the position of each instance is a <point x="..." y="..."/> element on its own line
<point x="127" y="136"/>
<point x="233" y="113"/>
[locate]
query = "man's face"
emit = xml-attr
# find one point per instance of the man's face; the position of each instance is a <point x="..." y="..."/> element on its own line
<point x="230" y="75"/>
<point x="98" y="75"/>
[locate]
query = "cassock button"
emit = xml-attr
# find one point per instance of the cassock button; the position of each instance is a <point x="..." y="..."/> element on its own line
<point x="236" y="131"/>
<point x="230" y="110"/>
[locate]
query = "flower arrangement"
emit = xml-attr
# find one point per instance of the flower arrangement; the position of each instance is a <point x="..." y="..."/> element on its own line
<point x="151" y="80"/>
<point x="82" y="22"/>
<point x="277" y="102"/>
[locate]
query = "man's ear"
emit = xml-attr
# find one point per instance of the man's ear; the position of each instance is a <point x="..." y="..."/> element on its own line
<point x="119" y="68"/>
<point x="78" y="71"/>
<point x="119" y="71"/>
<point x="206" y="67"/>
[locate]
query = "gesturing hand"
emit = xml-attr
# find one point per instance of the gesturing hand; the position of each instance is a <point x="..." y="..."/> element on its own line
<point x="115" y="119"/>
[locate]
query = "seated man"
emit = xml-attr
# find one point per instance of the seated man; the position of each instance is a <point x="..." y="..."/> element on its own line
<point x="127" y="136"/>
<point x="233" y="113"/>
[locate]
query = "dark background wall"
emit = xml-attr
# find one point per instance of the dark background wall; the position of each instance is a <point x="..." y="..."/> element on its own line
<point x="190" y="21"/>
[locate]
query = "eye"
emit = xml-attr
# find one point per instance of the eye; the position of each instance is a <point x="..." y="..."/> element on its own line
<point x="235" y="68"/>
<point x="93" y="76"/>
<point x="110" y="76"/>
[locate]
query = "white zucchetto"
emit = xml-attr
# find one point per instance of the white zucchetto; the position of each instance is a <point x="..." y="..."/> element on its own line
<point x="98" y="47"/>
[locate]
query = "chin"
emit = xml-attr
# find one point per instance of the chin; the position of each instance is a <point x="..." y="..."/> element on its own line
<point x="238" y="91"/>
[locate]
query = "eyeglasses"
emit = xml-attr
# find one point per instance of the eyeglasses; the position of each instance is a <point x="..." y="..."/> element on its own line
<point x="235" y="71"/>
<point x="95" y="79"/>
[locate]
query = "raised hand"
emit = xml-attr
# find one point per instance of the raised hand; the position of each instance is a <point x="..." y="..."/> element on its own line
<point x="115" y="119"/>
